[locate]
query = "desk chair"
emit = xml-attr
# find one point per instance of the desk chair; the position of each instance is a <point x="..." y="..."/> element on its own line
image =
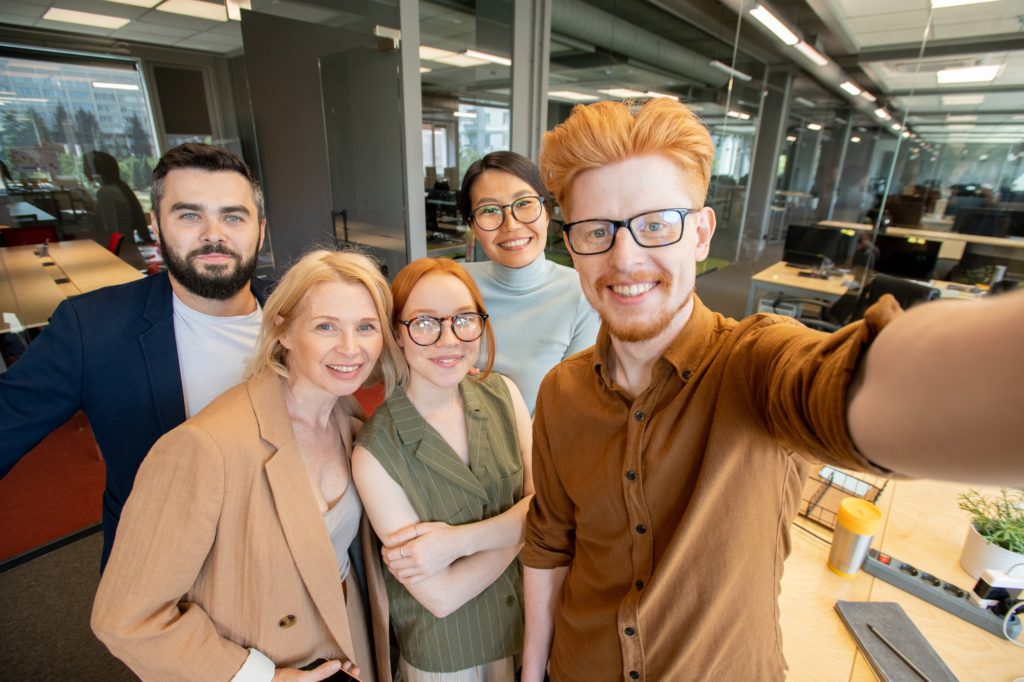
<point x="850" y="307"/>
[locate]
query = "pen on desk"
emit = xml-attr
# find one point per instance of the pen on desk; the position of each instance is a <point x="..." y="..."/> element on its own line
<point x="892" y="647"/>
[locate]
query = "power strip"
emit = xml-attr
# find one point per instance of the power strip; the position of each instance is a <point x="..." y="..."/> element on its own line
<point x="946" y="596"/>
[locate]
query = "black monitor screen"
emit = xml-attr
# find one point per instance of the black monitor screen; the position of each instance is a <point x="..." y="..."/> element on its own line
<point x="990" y="222"/>
<point x="910" y="257"/>
<point x="806" y="245"/>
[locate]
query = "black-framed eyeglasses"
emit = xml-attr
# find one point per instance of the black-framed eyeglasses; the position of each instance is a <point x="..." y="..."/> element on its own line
<point x="650" y="230"/>
<point x="490" y="217"/>
<point x="425" y="330"/>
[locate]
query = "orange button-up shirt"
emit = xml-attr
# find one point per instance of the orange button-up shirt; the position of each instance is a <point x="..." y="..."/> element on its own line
<point x="672" y="508"/>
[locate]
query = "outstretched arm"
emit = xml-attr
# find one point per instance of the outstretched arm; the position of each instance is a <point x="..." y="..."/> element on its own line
<point x="416" y="552"/>
<point x="938" y="393"/>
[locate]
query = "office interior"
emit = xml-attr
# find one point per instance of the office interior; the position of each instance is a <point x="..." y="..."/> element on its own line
<point x="877" y="128"/>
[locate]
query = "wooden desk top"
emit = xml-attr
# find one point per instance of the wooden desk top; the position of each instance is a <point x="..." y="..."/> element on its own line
<point x="782" y="274"/>
<point x="28" y="283"/>
<point x="923" y="526"/>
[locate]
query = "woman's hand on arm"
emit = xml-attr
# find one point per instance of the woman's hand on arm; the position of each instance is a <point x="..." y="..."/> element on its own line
<point x="389" y="510"/>
<point x="321" y="672"/>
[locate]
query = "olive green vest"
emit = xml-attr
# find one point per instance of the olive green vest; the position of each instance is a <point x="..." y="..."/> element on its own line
<point x="441" y="488"/>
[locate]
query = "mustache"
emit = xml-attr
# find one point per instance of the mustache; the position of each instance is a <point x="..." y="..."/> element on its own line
<point x="213" y="248"/>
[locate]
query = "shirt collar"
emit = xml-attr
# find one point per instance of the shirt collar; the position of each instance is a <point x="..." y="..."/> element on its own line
<point x="683" y="355"/>
<point x="411" y="430"/>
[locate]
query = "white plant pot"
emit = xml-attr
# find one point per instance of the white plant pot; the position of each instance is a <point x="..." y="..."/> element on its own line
<point x="979" y="555"/>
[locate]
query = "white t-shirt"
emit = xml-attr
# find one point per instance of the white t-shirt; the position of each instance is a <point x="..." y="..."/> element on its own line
<point x="212" y="351"/>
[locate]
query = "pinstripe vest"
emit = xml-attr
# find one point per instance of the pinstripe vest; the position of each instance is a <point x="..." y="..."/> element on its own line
<point x="441" y="488"/>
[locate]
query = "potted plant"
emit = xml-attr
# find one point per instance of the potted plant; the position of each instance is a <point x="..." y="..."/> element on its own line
<point x="995" y="539"/>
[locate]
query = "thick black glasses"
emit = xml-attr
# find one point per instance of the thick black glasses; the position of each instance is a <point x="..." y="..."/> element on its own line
<point x="650" y="230"/>
<point x="491" y="216"/>
<point x="425" y="330"/>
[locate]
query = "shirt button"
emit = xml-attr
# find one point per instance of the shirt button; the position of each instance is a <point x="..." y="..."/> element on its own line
<point x="286" y="621"/>
<point x="510" y="600"/>
<point x="641" y="528"/>
<point x="630" y="475"/>
<point x="634" y="675"/>
<point x="639" y="585"/>
<point x="639" y="415"/>
<point x="629" y="632"/>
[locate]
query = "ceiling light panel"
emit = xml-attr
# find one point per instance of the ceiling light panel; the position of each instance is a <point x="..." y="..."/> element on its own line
<point x="572" y="96"/>
<point x="962" y="100"/>
<point x="622" y="93"/>
<point x="70" y="16"/>
<point x="487" y="57"/>
<point x="195" y="8"/>
<point x="812" y="54"/>
<point x="850" y="87"/>
<point x="814" y="126"/>
<point x="149" y="4"/>
<point x="970" y="74"/>
<point x="939" y="4"/>
<point x="773" y="24"/>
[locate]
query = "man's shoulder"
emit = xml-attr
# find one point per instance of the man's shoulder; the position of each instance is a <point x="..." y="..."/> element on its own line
<point x="131" y="296"/>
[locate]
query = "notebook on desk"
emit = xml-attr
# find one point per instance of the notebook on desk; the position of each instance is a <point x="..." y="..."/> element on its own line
<point x="891" y="622"/>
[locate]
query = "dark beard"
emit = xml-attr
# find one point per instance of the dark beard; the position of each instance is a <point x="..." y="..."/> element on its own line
<point x="213" y="283"/>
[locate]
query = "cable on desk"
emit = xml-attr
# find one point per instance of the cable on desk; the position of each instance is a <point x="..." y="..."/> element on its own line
<point x="812" y="533"/>
<point x="1006" y="622"/>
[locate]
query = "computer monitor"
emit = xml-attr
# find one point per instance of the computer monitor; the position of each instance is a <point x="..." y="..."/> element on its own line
<point x="807" y="245"/>
<point x="905" y="211"/>
<point x="909" y="257"/>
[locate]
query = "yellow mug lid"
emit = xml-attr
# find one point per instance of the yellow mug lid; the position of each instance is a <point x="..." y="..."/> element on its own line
<point x="859" y="516"/>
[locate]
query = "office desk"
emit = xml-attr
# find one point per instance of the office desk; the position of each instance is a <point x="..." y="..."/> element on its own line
<point x="953" y="243"/>
<point x="783" y="280"/>
<point x="921" y="525"/>
<point x="29" y="286"/>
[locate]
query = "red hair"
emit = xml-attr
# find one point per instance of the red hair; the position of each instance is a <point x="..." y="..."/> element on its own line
<point x="409" y="276"/>
<point x="598" y="134"/>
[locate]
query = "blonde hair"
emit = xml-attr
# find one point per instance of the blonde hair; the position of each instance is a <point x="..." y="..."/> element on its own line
<point x="411" y="274"/>
<point x="314" y="268"/>
<point x="598" y="134"/>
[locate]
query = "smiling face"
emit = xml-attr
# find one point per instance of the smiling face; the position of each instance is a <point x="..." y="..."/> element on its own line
<point x="334" y="340"/>
<point x="514" y="244"/>
<point x="445" y="363"/>
<point x="209" y="231"/>
<point x="640" y="293"/>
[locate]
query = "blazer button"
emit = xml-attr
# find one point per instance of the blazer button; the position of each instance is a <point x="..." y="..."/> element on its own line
<point x="510" y="600"/>
<point x="286" y="621"/>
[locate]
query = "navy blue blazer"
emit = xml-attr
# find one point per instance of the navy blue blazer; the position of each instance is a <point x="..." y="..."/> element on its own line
<point x="110" y="353"/>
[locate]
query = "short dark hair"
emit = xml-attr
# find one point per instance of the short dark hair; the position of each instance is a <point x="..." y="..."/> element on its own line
<point x="203" y="157"/>
<point x="507" y="162"/>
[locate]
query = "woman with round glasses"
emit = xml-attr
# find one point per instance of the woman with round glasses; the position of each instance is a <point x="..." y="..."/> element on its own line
<point x="443" y="469"/>
<point x="540" y="313"/>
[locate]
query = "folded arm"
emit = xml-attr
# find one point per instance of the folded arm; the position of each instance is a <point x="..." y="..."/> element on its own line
<point x="938" y="393"/>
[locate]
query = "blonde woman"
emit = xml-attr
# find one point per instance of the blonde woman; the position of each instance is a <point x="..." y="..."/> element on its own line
<point x="232" y="560"/>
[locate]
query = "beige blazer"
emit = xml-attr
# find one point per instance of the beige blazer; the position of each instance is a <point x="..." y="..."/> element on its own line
<point x="222" y="547"/>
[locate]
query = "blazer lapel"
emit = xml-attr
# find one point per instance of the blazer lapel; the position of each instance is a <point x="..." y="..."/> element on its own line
<point x="297" y="510"/>
<point x="161" y="354"/>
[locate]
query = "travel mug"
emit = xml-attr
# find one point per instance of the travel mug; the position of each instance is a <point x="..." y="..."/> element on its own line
<point x="856" y="525"/>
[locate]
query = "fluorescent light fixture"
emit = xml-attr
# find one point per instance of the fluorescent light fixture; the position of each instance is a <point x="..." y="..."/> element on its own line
<point x="882" y="114"/>
<point x="487" y="57"/>
<point x="195" y="8"/>
<point x="571" y="96"/>
<point x="70" y="16"/>
<point x="803" y="101"/>
<point x="969" y="74"/>
<point x="235" y="8"/>
<point x="424" y="69"/>
<point x="772" y="23"/>
<point x="433" y="54"/>
<point x="938" y="4"/>
<point x="962" y="117"/>
<point x="138" y="3"/>
<point x="34" y="100"/>
<point x="448" y="58"/>
<point x="814" y="126"/>
<point x="622" y="93"/>
<point x="790" y="138"/>
<point x="868" y="96"/>
<point x="721" y="66"/>
<point x="855" y="139"/>
<point x="742" y="115"/>
<point x="806" y="50"/>
<point x="850" y="87"/>
<point x="654" y="94"/>
<point x="896" y="126"/>
<point x="906" y="133"/>
<point x="114" y="86"/>
<point x="1018" y="117"/>
<point x="964" y="100"/>
<point x="464" y="114"/>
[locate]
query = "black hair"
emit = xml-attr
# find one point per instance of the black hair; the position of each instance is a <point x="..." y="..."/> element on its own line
<point x="507" y="162"/>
